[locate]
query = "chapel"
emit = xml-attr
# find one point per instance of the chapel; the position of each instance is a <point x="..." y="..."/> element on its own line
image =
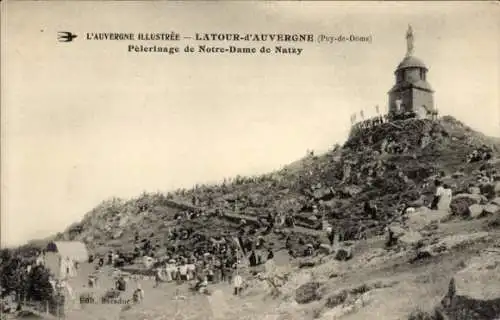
<point x="411" y="95"/>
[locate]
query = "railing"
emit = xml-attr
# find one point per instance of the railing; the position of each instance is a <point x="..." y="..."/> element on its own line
<point x="368" y="123"/>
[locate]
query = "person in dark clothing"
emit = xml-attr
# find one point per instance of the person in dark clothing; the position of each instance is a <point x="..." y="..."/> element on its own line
<point x="331" y="236"/>
<point x="121" y="285"/>
<point x="253" y="259"/>
<point x="391" y="241"/>
<point x="370" y="210"/>
<point x="270" y="254"/>
<point x="270" y="220"/>
<point x="438" y="194"/>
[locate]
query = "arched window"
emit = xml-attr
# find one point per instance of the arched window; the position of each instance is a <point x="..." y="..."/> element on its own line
<point x="399" y="76"/>
<point x="422" y="74"/>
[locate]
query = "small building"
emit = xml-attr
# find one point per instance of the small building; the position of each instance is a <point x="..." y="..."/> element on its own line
<point x="61" y="258"/>
<point x="411" y="94"/>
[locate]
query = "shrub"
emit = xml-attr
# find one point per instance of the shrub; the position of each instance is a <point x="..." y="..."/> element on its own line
<point x="419" y="314"/>
<point x="38" y="285"/>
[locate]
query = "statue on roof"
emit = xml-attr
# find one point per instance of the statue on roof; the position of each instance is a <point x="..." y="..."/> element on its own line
<point x="409" y="41"/>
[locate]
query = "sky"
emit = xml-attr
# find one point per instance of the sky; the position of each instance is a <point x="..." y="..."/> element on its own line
<point x="85" y="121"/>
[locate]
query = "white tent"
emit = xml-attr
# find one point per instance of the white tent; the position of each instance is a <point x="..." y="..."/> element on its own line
<point x="61" y="257"/>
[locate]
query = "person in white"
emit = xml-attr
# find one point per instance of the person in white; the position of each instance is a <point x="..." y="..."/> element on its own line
<point x="191" y="270"/>
<point x="445" y="198"/>
<point x="159" y="277"/>
<point x="171" y="270"/>
<point x="138" y="295"/>
<point x="183" y="272"/>
<point x="238" y="284"/>
<point x="204" y="284"/>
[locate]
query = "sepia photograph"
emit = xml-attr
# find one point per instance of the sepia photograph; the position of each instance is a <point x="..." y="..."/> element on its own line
<point x="253" y="160"/>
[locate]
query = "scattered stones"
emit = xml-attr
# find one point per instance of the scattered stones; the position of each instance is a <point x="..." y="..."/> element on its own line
<point x="451" y="242"/>
<point x="351" y="191"/>
<point x="491" y="209"/>
<point x="349" y="300"/>
<point x="323" y="194"/>
<point x="476" y="210"/>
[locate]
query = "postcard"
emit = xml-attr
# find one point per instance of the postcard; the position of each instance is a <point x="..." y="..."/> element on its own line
<point x="250" y="160"/>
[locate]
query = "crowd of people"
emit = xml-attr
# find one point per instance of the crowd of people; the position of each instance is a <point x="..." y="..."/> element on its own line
<point x="480" y="154"/>
<point x="211" y="261"/>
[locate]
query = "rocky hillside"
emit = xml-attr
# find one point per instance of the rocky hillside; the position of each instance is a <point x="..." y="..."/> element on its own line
<point x="392" y="165"/>
<point x="438" y="264"/>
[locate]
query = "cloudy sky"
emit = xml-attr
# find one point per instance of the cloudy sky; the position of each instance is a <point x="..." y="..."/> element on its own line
<point x="85" y="121"/>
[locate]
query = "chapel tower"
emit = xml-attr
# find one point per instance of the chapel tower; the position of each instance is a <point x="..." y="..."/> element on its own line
<point x="411" y="94"/>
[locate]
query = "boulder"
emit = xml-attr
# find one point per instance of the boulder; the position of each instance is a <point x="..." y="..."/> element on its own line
<point x="343" y="253"/>
<point x="476" y="211"/>
<point x="491" y="209"/>
<point x="397" y="230"/>
<point x="423" y="217"/>
<point x="473" y="293"/>
<point x="307" y="293"/>
<point x="496" y="201"/>
<point x="497" y="188"/>
<point x="410" y="238"/>
<point x="308" y="262"/>
<point x="402" y="236"/>
<point x="461" y="202"/>
<point x="325" y="248"/>
<point x="117" y="234"/>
